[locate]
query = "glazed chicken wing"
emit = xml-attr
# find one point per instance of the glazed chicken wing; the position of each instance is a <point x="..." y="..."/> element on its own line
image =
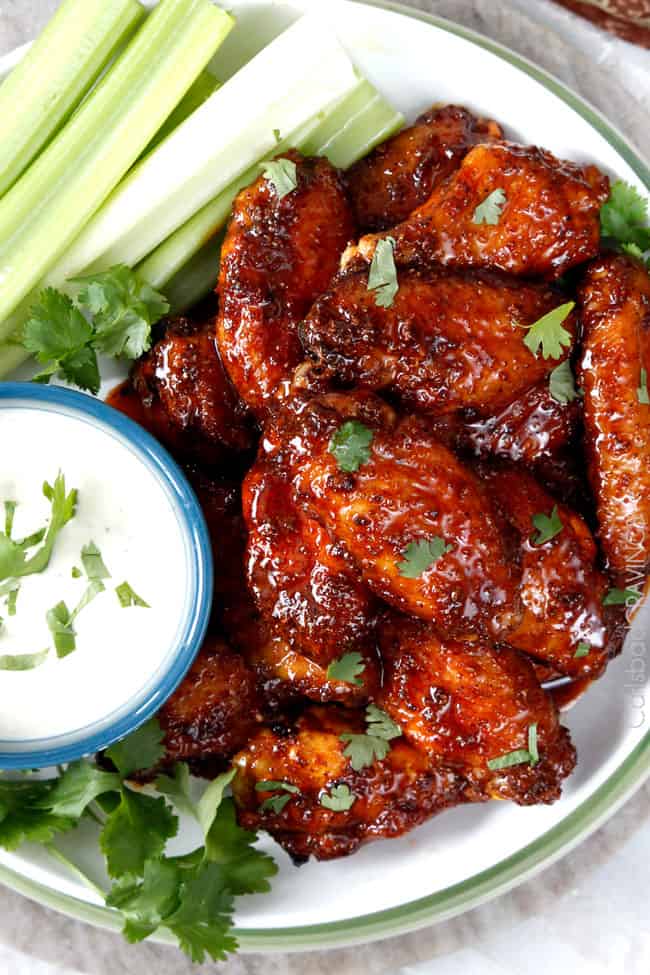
<point x="186" y="398"/>
<point x="278" y="255"/>
<point x="409" y="492"/>
<point x="615" y="298"/>
<point x="449" y="341"/>
<point x="390" y="796"/>
<point x="467" y="704"/>
<point x="548" y="223"/>
<point x="307" y="592"/>
<point x="402" y="172"/>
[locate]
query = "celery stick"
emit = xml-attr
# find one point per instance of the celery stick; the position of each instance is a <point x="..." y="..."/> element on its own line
<point x="48" y="206"/>
<point x="58" y="70"/>
<point x="204" y="86"/>
<point x="195" y="280"/>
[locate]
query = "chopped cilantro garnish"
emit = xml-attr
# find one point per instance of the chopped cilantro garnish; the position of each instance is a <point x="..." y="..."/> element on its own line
<point x="350" y="445"/>
<point x="621" y="597"/>
<point x="12" y="598"/>
<point x="10" y="510"/>
<point x="91" y="559"/>
<point x="490" y="210"/>
<point x="547" y="332"/>
<point x="362" y="750"/>
<point x="520" y="756"/>
<point x="582" y="650"/>
<point x="420" y="555"/>
<point x="562" y="384"/>
<point x="276" y="803"/>
<point x="76" y="572"/>
<point x="22" y="661"/>
<point x="547" y="526"/>
<point x="282" y="174"/>
<point x="347" y="668"/>
<point x="141" y="750"/>
<point x="128" y="597"/>
<point x="339" y="799"/>
<point x="59" y="621"/>
<point x="92" y="589"/>
<point x="382" y="277"/>
<point x="642" y="391"/>
<point x="14" y="562"/>
<point x="624" y="216"/>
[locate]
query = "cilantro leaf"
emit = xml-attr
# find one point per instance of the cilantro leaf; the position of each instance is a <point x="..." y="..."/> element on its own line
<point x="624" y="216"/>
<point x="635" y="251"/>
<point x="276" y="803"/>
<point x="59" y="336"/>
<point x="350" y="445"/>
<point x="123" y="308"/>
<point x="12" y="599"/>
<point x="582" y="650"/>
<point x="23" y="661"/>
<point x="141" y="750"/>
<point x="10" y="511"/>
<point x="642" y="391"/>
<point x="177" y="788"/>
<point x="382" y="277"/>
<point x="489" y="211"/>
<point x="547" y="332"/>
<point x="136" y="831"/>
<point x="128" y="597"/>
<point x="91" y="559"/>
<point x="547" y="526"/>
<point x="92" y="589"/>
<point x="621" y="597"/>
<point x="282" y="174"/>
<point x="209" y="803"/>
<point x="230" y="846"/>
<point x="339" y="799"/>
<point x="146" y="903"/>
<point x="203" y="919"/>
<point x="561" y="383"/>
<point x="59" y="621"/>
<point x="362" y="750"/>
<point x="347" y="668"/>
<point x="24" y="816"/>
<point x="14" y="562"/>
<point x="420" y="555"/>
<point x="521" y="756"/>
<point x="79" y="784"/>
<point x="380" y="724"/>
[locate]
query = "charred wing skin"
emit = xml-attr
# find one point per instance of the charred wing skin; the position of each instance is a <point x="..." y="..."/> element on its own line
<point x="277" y="257"/>
<point x="411" y="489"/>
<point x="615" y="300"/>
<point x="562" y="591"/>
<point x="400" y="174"/>
<point x="187" y="399"/>
<point x="466" y="704"/>
<point x="550" y="221"/>
<point x="449" y="341"/>
<point x="391" y="796"/>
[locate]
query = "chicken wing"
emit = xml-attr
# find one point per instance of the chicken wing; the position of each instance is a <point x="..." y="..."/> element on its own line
<point x="279" y="253"/>
<point x="564" y="623"/>
<point x="615" y="298"/>
<point x="408" y="493"/>
<point x="547" y="221"/>
<point x="449" y="341"/>
<point x="307" y="591"/>
<point x="466" y="705"/>
<point x="401" y="173"/>
<point x="390" y="796"/>
<point x="186" y="398"/>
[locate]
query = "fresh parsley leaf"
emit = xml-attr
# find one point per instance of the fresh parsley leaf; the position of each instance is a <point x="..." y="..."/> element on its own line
<point x="79" y="784"/>
<point x="91" y="559"/>
<point x="10" y="511"/>
<point x="420" y="555"/>
<point x="143" y="749"/>
<point x="59" y="622"/>
<point x="60" y="338"/>
<point x="547" y="527"/>
<point x="24" y="816"/>
<point x="561" y="383"/>
<point x="642" y="391"/>
<point x="23" y="661"/>
<point x="128" y="597"/>
<point x="520" y="756"/>
<point x="624" y="216"/>
<point x="282" y="174"/>
<point x="146" y="903"/>
<point x="382" y="277"/>
<point x="347" y="668"/>
<point x="123" y="307"/>
<point x="582" y="650"/>
<point x="362" y="750"/>
<point x="339" y="799"/>
<point x="547" y="332"/>
<point x="350" y="445"/>
<point x="489" y="211"/>
<point x="136" y="831"/>
<point x="621" y="597"/>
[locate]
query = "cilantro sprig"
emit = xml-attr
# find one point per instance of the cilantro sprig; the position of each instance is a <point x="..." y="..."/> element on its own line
<point x="548" y="526"/>
<point x="624" y="219"/>
<point x="282" y="174"/>
<point x="548" y="333"/>
<point x="350" y="445"/>
<point x="561" y="384"/>
<point x="339" y="799"/>
<point x="113" y="314"/>
<point x="421" y="555"/>
<point x="490" y="210"/>
<point x="520" y="756"/>
<point x="276" y="803"/>
<point x="14" y="559"/>
<point x="347" y="668"/>
<point x="362" y="750"/>
<point x="382" y="277"/>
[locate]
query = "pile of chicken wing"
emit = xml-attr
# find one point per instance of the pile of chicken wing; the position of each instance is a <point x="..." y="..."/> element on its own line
<point x="405" y="586"/>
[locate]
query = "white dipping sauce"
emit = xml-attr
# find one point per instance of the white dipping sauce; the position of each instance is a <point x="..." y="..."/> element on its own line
<point x="125" y="510"/>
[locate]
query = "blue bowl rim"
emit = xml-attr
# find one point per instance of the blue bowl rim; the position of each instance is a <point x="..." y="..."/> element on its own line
<point x="192" y="520"/>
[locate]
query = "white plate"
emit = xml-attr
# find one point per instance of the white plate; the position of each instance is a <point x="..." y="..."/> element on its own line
<point x="466" y="855"/>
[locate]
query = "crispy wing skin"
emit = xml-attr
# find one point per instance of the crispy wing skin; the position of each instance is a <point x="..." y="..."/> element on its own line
<point x="400" y="174"/>
<point x="449" y="341"/>
<point x="411" y="489"/>
<point x="465" y="704"/>
<point x="186" y="398"/>
<point x="549" y="223"/>
<point x="277" y="256"/>
<point x="615" y="298"/>
<point x="391" y="796"/>
<point x="214" y="711"/>
<point x="306" y="588"/>
<point x="562" y="591"/>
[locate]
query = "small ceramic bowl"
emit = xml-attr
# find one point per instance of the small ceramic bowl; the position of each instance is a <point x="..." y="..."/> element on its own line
<point x="137" y="506"/>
